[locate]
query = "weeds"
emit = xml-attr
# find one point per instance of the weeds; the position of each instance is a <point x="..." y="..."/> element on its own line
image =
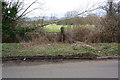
<point x="24" y="49"/>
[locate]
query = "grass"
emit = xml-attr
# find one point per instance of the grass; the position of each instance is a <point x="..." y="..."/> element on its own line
<point x="54" y="27"/>
<point x="25" y="49"/>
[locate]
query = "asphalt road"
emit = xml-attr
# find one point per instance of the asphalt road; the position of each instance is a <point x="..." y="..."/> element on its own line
<point x="71" y="69"/>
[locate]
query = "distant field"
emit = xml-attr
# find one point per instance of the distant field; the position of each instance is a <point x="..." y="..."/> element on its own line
<point x="27" y="49"/>
<point x="53" y="28"/>
<point x="56" y="28"/>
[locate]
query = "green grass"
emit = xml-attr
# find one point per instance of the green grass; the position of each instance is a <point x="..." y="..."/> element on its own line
<point x="54" y="27"/>
<point x="24" y="49"/>
<point x="107" y="48"/>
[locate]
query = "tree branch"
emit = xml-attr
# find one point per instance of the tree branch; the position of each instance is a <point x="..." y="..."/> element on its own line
<point x="26" y="10"/>
<point x="88" y="11"/>
<point x="30" y="11"/>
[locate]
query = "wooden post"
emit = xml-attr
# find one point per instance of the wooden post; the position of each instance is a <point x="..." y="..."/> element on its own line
<point x="62" y="36"/>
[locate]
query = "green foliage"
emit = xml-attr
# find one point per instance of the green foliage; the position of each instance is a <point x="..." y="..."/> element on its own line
<point x="11" y="12"/>
<point x="21" y="31"/>
<point x="11" y="32"/>
<point x="8" y="22"/>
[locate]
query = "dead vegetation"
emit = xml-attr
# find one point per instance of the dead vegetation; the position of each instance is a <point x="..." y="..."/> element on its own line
<point x="81" y="34"/>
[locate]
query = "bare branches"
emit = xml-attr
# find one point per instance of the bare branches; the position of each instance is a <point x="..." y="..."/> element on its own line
<point x="29" y="11"/>
<point x="88" y="11"/>
<point x="18" y="1"/>
<point x="23" y="13"/>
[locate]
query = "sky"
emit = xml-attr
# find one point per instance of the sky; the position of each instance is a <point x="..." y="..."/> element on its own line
<point x="60" y="7"/>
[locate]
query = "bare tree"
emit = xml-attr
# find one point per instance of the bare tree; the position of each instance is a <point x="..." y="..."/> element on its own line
<point x="71" y="14"/>
<point x="111" y="22"/>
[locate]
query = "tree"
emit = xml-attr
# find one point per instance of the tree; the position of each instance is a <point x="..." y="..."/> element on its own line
<point x="8" y="22"/>
<point x="10" y="19"/>
<point x="71" y="14"/>
<point x="111" y="22"/>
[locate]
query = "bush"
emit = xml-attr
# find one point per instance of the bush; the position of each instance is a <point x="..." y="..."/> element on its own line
<point x="82" y="33"/>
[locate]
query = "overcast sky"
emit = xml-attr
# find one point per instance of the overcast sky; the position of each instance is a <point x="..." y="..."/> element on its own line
<point x="60" y="7"/>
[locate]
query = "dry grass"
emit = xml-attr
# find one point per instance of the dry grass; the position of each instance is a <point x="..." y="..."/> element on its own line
<point x="82" y="33"/>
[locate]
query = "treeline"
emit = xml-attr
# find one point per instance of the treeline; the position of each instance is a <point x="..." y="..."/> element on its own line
<point x="90" y="19"/>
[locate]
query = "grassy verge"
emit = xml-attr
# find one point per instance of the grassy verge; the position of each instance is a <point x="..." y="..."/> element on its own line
<point x="24" y="49"/>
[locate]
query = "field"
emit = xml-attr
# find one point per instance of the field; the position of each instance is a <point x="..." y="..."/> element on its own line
<point x="27" y="49"/>
<point x="53" y="28"/>
<point x="56" y="28"/>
